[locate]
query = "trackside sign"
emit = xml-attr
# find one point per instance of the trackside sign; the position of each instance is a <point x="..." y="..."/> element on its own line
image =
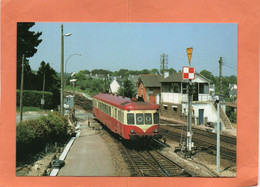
<point x="188" y="72"/>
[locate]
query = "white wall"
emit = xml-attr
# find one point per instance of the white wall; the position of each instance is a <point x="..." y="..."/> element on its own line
<point x="114" y="86"/>
<point x="171" y="98"/>
<point x="209" y="110"/>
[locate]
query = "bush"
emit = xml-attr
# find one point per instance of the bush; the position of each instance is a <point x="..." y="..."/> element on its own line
<point x="33" y="98"/>
<point x="33" y="135"/>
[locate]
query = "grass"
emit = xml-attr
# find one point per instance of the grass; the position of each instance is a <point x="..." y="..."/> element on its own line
<point x="28" y="108"/>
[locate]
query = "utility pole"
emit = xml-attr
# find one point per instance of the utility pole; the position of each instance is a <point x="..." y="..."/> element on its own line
<point x="218" y="139"/>
<point x="220" y="76"/>
<point x="61" y="73"/>
<point x="43" y="89"/>
<point x="164" y="63"/>
<point x="21" y="91"/>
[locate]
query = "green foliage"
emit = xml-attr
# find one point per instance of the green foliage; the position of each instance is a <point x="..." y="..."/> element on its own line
<point x="171" y="71"/>
<point x="209" y="76"/>
<point x="52" y="82"/>
<point x="226" y="80"/>
<point x="154" y="71"/>
<point x="127" y="90"/>
<point x="33" y="98"/>
<point x="28" y="108"/>
<point x="33" y="135"/>
<point x="27" y="41"/>
<point x="231" y="115"/>
<point x="101" y="72"/>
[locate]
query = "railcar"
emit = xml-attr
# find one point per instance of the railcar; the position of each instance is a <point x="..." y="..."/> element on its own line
<point x="132" y="120"/>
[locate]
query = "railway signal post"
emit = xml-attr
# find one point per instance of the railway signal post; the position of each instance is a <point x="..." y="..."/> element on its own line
<point x="189" y="74"/>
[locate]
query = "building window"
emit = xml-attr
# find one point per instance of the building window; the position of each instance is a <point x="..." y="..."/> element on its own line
<point x="176" y="87"/>
<point x="166" y="87"/>
<point x="165" y="107"/>
<point x="203" y="88"/>
<point x="174" y="108"/>
<point x="184" y="88"/>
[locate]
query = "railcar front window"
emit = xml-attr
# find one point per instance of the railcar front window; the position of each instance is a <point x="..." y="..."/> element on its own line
<point x="130" y="119"/>
<point x="148" y="119"/>
<point x="139" y="119"/>
<point x="156" y="118"/>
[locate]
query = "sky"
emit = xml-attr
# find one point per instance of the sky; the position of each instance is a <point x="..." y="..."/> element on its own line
<point x="137" y="46"/>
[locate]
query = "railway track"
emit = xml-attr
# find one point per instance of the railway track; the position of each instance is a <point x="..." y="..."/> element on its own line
<point x="83" y="102"/>
<point x="152" y="163"/>
<point x="208" y="142"/>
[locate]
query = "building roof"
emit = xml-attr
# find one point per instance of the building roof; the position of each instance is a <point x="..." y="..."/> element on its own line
<point x="177" y="77"/>
<point x="125" y="103"/>
<point x="151" y="80"/>
<point x="133" y="79"/>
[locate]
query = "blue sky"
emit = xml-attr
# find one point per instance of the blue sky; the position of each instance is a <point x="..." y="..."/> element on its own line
<point x="137" y="46"/>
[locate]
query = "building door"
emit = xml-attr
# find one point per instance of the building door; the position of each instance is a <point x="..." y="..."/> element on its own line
<point x="157" y="99"/>
<point x="201" y="116"/>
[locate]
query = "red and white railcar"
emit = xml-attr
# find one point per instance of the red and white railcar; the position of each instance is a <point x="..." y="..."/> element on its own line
<point x="132" y="120"/>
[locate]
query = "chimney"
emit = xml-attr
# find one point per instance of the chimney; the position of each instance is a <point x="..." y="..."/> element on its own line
<point x="165" y="74"/>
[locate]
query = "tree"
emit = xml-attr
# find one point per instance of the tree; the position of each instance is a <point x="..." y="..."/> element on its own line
<point x="145" y="71"/>
<point x="209" y="76"/>
<point x="27" y="41"/>
<point x="171" y="71"/>
<point x="52" y="81"/>
<point x="101" y="72"/>
<point x="127" y="89"/>
<point x="154" y="71"/>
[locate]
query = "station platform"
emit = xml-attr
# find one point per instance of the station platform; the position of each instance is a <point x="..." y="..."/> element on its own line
<point x="89" y="154"/>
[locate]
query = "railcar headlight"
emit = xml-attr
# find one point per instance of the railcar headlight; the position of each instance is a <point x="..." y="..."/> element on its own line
<point x="155" y="130"/>
<point x="132" y="131"/>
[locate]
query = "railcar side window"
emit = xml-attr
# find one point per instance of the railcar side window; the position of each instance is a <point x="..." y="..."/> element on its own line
<point x="156" y="118"/>
<point x="116" y="113"/>
<point x="139" y="119"/>
<point x="148" y="118"/>
<point x="130" y="119"/>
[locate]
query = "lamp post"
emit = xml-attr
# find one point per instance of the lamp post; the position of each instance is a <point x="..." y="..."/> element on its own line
<point x="66" y="66"/>
<point x="61" y="71"/>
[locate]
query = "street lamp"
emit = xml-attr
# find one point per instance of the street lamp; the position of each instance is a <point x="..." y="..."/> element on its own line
<point x="61" y="71"/>
<point x="66" y="66"/>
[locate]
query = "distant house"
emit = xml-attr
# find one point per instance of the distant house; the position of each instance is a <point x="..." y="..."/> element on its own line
<point x="232" y="90"/>
<point x="115" y="85"/>
<point x="149" y="88"/>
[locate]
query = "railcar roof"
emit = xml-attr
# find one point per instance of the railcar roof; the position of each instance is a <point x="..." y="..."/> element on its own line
<point x="125" y="103"/>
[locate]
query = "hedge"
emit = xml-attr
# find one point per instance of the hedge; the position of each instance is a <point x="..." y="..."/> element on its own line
<point x="33" y="98"/>
<point x="33" y="135"/>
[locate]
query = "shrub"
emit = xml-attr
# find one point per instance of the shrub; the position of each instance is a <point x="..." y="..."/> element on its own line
<point x="33" y="98"/>
<point x="33" y="135"/>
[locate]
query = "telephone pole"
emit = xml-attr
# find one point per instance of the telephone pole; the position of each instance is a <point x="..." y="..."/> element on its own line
<point x="21" y="92"/>
<point x="43" y="88"/>
<point x="61" y="73"/>
<point x="220" y="76"/>
<point x="164" y="63"/>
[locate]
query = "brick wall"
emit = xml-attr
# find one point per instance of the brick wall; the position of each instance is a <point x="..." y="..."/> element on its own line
<point x="141" y="91"/>
<point x="171" y="111"/>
